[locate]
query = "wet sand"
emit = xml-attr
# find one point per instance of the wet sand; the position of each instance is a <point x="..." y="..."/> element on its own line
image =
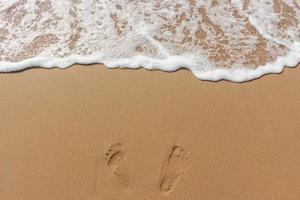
<point x="92" y="133"/>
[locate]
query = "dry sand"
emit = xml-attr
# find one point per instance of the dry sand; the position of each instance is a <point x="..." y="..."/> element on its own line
<point x="91" y="133"/>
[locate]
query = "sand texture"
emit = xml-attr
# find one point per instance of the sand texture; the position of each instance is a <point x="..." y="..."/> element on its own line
<point x="89" y="133"/>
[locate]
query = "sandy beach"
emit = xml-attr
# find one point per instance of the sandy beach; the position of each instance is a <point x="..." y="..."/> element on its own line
<point x="93" y="133"/>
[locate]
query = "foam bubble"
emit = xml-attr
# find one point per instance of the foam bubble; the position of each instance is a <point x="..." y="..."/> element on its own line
<point x="234" y="40"/>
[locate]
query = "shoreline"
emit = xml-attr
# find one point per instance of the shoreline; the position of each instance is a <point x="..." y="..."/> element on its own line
<point x="216" y="75"/>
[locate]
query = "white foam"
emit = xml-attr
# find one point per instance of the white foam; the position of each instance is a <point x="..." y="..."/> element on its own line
<point x="165" y="35"/>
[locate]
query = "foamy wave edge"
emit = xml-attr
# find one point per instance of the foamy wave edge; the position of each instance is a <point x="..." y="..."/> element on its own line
<point x="169" y="64"/>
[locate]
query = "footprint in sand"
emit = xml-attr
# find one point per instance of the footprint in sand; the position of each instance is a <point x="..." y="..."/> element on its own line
<point x="115" y="158"/>
<point x="174" y="166"/>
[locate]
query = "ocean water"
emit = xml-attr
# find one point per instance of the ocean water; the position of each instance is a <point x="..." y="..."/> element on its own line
<point x="236" y="40"/>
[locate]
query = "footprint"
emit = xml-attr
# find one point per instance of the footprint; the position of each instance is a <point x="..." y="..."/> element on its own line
<point x="174" y="166"/>
<point x="115" y="158"/>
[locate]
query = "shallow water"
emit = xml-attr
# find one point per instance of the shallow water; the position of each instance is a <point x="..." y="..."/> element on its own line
<point x="237" y="40"/>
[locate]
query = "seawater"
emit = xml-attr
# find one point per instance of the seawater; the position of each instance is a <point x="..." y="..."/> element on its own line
<point x="236" y="40"/>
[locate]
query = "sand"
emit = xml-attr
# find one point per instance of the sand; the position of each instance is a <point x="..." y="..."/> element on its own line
<point x="89" y="133"/>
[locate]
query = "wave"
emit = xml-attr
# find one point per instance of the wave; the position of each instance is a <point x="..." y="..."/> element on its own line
<point x="233" y="40"/>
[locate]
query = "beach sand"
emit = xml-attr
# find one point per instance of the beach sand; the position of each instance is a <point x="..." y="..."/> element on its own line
<point x="92" y="133"/>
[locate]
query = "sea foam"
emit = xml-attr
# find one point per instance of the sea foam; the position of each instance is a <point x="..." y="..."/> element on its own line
<point x="236" y="40"/>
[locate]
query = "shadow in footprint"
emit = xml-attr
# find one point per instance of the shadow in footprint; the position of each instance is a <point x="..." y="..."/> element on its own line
<point x="174" y="166"/>
<point x="115" y="158"/>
